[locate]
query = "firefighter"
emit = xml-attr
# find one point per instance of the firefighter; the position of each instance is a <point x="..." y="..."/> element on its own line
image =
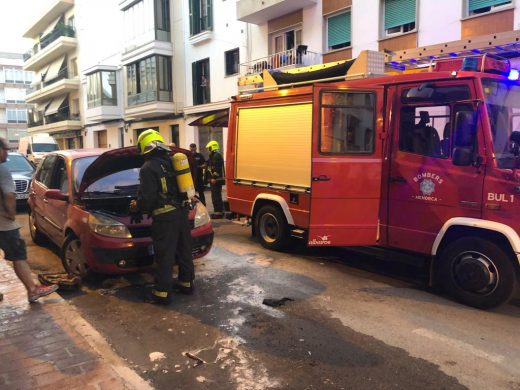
<point x="216" y="178"/>
<point x="160" y="197"/>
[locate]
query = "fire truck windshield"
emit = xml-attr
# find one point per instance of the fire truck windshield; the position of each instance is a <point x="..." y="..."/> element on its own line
<point x="503" y="106"/>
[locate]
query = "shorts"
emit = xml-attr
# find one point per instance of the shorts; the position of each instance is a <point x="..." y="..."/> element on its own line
<point x="13" y="245"/>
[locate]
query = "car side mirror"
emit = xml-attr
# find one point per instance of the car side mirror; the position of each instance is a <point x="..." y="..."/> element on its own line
<point x="56" y="195"/>
<point x="462" y="156"/>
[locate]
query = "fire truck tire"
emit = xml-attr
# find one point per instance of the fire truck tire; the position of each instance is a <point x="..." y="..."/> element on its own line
<point x="271" y="227"/>
<point x="477" y="272"/>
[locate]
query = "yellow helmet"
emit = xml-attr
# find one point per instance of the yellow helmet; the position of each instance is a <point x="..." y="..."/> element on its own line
<point x="212" y="146"/>
<point x="148" y="140"/>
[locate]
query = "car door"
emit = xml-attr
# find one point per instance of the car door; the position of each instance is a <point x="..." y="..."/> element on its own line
<point x="346" y="167"/>
<point x="56" y="210"/>
<point x="41" y="183"/>
<point x="425" y="188"/>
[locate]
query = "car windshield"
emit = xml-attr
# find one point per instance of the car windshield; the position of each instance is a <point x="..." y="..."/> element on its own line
<point x="503" y="106"/>
<point x="44" y="147"/>
<point x="17" y="163"/>
<point x="119" y="183"/>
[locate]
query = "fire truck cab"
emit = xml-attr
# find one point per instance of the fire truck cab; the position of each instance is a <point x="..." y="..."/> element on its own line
<point x="425" y="162"/>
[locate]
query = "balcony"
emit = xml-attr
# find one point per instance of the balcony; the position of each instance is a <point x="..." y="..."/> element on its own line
<point x="57" y="8"/>
<point x="293" y="58"/>
<point x="58" y="42"/>
<point x="258" y="12"/>
<point x="147" y="105"/>
<point x="62" y="120"/>
<point x="46" y="90"/>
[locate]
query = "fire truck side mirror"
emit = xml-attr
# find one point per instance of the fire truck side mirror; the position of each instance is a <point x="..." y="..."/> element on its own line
<point x="462" y="156"/>
<point x="424" y="91"/>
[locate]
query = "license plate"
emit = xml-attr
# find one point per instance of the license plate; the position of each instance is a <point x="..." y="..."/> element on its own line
<point x="150" y="250"/>
<point x="22" y="196"/>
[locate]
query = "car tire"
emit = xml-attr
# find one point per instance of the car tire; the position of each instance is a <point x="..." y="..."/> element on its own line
<point x="271" y="227"/>
<point x="36" y="235"/>
<point x="73" y="259"/>
<point x="477" y="272"/>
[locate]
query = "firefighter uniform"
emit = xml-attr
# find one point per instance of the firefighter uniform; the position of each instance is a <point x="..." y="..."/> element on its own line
<point x="159" y="197"/>
<point x="216" y="177"/>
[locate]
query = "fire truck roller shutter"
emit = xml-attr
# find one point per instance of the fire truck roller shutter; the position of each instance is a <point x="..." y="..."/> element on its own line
<point x="274" y="144"/>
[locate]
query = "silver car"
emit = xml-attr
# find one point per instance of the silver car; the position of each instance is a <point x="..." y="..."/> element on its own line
<point x="22" y="171"/>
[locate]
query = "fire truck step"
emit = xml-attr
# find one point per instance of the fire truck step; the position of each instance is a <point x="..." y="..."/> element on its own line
<point x="298" y="233"/>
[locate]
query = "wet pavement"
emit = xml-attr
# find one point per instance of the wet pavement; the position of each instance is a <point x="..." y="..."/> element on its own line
<point x="348" y="324"/>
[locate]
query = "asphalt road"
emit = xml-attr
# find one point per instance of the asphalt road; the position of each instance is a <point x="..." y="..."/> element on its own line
<point x="351" y="322"/>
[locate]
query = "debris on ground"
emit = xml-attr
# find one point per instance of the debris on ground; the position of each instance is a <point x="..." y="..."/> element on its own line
<point x="197" y="359"/>
<point x="276" y="302"/>
<point x="154" y="356"/>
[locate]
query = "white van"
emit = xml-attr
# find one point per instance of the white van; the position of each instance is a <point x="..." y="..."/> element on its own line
<point x="36" y="146"/>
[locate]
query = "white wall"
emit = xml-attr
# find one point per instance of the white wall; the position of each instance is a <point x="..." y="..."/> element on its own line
<point x="365" y="25"/>
<point x="439" y="21"/>
<point x="227" y="34"/>
<point x="312" y="34"/>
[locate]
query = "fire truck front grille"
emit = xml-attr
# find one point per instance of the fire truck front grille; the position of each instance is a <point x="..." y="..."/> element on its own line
<point x="21" y="185"/>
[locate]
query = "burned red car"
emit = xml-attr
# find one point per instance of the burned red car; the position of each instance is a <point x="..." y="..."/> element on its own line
<point x="79" y="200"/>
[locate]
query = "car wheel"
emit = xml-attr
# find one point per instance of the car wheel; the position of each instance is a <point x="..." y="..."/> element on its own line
<point x="477" y="272"/>
<point x="271" y="227"/>
<point x="36" y="235"/>
<point x="73" y="259"/>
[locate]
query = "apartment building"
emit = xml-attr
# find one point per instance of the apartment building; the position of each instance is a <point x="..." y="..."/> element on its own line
<point x="216" y="43"/>
<point x="56" y="91"/>
<point x="102" y="74"/>
<point x="14" y="83"/>
<point x="152" y="69"/>
<point x="291" y="33"/>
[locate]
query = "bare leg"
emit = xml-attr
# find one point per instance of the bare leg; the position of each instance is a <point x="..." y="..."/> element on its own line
<point x="22" y="270"/>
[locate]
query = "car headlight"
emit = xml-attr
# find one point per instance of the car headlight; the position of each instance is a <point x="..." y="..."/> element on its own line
<point x="201" y="215"/>
<point x="106" y="226"/>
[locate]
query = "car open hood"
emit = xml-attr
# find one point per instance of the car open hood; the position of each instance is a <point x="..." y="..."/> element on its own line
<point x="116" y="160"/>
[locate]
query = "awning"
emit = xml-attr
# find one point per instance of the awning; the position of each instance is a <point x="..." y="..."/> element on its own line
<point x="55" y="105"/>
<point x="54" y="69"/>
<point x="213" y="119"/>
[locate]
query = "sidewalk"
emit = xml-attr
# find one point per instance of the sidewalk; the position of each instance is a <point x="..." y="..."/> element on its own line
<point x="48" y="345"/>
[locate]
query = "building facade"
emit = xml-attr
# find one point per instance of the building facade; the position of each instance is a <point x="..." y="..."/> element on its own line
<point x="14" y="84"/>
<point x="56" y="93"/>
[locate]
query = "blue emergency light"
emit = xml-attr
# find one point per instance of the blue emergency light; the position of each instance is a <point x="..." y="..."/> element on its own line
<point x="514" y="74"/>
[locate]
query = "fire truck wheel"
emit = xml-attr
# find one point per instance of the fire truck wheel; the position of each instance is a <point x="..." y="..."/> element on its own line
<point x="271" y="227"/>
<point x="477" y="272"/>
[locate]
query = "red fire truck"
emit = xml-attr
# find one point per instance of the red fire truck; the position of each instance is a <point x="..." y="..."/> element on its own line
<point x="425" y="162"/>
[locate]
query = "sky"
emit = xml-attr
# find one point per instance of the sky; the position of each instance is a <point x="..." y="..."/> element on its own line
<point x="17" y="16"/>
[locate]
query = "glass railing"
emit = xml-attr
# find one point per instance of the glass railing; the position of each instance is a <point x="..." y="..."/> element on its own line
<point x="149" y="96"/>
<point x="292" y="58"/>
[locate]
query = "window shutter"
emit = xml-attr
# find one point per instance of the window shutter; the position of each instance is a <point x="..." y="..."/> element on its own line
<point x="477" y="4"/>
<point x="338" y="29"/>
<point x="210" y="15"/>
<point x="399" y="12"/>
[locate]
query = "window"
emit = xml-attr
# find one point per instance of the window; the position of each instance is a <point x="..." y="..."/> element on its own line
<point x="201" y="82"/>
<point x="14" y="95"/>
<point x="347" y="123"/>
<point x="200" y="16"/>
<point x="162" y="20"/>
<point x="425" y="130"/>
<point x="16" y="116"/>
<point x="476" y="7"/>
<point x="286" y="40"/>
<point x="399" y="16"/>
<point x="60" y="180"/>
<point x="175" y="134"/>
<point x="44" y="174"/>
<point x="148" y="82"/>
<point x="101" y="89"/>
<point x="232" y="58"/>
<point x="338" y="31"/>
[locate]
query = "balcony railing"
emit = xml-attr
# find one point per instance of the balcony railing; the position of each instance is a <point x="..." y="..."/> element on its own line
<point x="63" y="114"/>
<point x="60" y="31"/>
<point x="292" y="58"/>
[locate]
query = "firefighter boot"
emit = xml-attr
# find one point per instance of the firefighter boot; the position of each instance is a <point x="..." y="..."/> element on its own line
<point x="186" y="288"/>
<point x="159" y="297"/>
